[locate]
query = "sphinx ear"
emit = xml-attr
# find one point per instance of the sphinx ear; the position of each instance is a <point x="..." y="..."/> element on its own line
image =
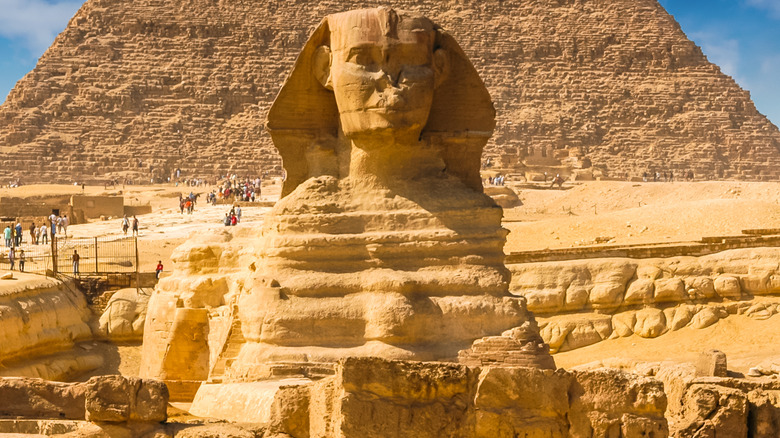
<point x="441" y="66"/>
<point x="321" y="66"/>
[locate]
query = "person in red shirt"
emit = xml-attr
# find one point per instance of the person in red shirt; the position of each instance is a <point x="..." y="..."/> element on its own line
<point x="233" y="220"/>
<point x="159" y="268"/>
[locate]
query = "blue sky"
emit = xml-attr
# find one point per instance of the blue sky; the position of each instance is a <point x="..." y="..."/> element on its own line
<point x="742" y="36"/>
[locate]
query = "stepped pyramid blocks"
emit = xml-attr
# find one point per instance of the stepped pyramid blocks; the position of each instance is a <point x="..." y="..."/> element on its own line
<point x="188" y="84"/>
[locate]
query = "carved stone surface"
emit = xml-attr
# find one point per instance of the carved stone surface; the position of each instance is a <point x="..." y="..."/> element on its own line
<point x="187" y="84"/>
<point x="383" y="244"/>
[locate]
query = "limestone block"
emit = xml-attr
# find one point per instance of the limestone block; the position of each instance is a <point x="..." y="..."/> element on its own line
<point x="119" y="399"/>
<point x="394" y="398"/>
<point x="682" y="316"/>
<point x="36" y="398"/>
<point x="623" y="323"/>
<point x="712" y="363"/>
<point x="727" y="287"/>
<point x="761" y="311"/>
<point x="613" y="403"/>
<point x="670" y="290"/>
<point x="570" y="332"/>
<point x="700" y="287"/>
<point x="755" y="284"/>
<point x="522" y="402"/>
<point x="705" y="318"/>
<point x="650" y="323"/>
<point x="251" y="402"/>
<point x="125" y="315"/>
<point x="640" y="291"/>
<point x="610" y="282"/>
<point x="711" y="410"/>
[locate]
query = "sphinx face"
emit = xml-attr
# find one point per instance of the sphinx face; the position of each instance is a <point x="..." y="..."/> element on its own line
<point x="382" y="72"/>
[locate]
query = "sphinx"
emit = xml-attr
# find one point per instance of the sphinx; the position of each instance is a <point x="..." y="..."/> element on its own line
<point x="383" y="243"/>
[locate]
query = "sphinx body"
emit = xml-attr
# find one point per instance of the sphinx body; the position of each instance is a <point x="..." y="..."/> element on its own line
<point x="383" y="243"/>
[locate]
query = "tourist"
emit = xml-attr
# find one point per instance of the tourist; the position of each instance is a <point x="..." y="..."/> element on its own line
<point x="37" y="235"/>
<point x="65" y="223"/>
<point x="21" y="260"/>
<point x="233" y="220"/>
<point x="33" y="232"/>
<point x="75" y="259"/>
<point x="125" y="224"/>
<point x="18" y="234"/>
<point x="59" y="224"/>
<point x="44" y="234"/>
<point x="53" y="222"/>
<point x="238" y="213"/>
<point x="7" y="235"/>
<point x="12" y="257"/>
<point x="135" y="226"/>
<point x="159" y="268"/>
<point x="226" y="221"/>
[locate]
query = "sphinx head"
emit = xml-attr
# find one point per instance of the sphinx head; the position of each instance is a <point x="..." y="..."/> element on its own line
<point x="379" y="77"/>
<point x="383" y="69"/>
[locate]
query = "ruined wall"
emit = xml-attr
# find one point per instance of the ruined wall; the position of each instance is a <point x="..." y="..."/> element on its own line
<point x="582" y="302"/>
<point x="186" y="84"/>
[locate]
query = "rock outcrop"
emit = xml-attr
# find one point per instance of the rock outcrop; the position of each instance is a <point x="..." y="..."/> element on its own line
<point x="142" y="88"/>
<point x="41" y="319"/>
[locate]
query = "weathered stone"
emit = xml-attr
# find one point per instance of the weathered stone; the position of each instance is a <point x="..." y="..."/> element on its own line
<point x="640" y="291"/>
<point x="714" y="411"/>
<point x="382" y="244"/>
<point x="682" y="316"/>
<point x="613" y="403"/>
<point x="670" y="290"/>
<point x="36" y="398"/>
<point x="125" y="315"/>
<point x="650" y="323"/>
<point x="727" y="287"/>
<point x="514" y="402"/>
<point x="705" y="318"/>
<point x="712" y="363"/>
<point x="119" y="399"/>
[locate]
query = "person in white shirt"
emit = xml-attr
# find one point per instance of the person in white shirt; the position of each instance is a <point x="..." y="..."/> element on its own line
<point x="43" y="234"/>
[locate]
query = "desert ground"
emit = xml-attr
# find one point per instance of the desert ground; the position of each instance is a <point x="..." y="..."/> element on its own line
<point x="578" y="214"/>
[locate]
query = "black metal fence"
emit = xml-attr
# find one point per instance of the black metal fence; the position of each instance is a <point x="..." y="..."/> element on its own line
<point x="96" y="256"/>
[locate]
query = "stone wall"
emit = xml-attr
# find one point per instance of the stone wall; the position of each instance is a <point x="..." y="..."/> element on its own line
<point x="581" y="302"/>
<point x="145" y="87"/>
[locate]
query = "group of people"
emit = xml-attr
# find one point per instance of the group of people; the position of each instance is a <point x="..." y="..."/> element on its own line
<point x="496" y="180"/>
<point x="13" y="236"/>
<point x="666" y="176"/>
<point x="126" y="225"/>
<point x="246" y="190"/>
<point x="12" y="257"/>
<point x="233" y="217"/>
<point x="187" y="203"/>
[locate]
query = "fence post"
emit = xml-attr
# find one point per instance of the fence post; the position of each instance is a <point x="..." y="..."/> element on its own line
<point x="54" y="255"/>
<point x="137" y="266"/>
<point x="96" y="257"/>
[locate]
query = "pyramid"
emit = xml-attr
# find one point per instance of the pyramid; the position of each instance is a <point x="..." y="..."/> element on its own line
<point x="144" y="87"/>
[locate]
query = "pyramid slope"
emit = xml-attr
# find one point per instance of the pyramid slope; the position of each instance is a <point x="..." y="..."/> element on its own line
<point x="144" y="87"/>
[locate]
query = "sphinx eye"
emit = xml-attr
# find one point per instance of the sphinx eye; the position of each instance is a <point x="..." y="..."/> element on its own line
<point x="361" y="56"/>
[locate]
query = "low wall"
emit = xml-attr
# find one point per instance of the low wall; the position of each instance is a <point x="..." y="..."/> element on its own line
<point x="582" y="302"/>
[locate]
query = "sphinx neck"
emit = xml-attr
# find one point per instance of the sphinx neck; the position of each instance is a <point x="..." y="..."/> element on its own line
<point x="386" y="159"/>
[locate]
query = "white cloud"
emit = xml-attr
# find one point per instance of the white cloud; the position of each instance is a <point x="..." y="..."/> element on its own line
<point x="773" y="6"/>
<point x="35" y="23"/>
